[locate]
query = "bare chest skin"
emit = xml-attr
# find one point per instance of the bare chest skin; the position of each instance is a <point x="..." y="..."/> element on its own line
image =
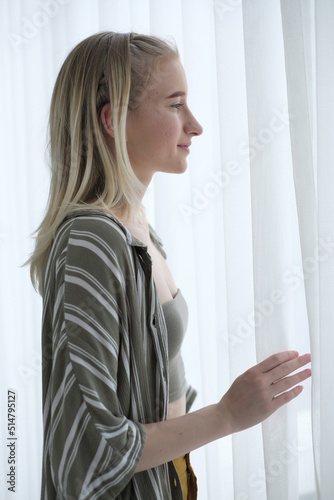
<point x="162" y="275"/>
<point x="167" y="290"/>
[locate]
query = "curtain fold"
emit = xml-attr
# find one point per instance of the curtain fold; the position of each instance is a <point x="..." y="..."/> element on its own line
<point x="248" y="229"/>
<point x="301" y="96"/>
<point x="324" y="413"/>
<point x="273" y="223"/>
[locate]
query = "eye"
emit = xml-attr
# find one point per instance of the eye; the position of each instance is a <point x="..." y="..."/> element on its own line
<point x="177" y="105"/>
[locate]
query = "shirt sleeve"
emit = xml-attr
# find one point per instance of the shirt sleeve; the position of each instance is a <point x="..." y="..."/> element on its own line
<point x="94" y="448"/>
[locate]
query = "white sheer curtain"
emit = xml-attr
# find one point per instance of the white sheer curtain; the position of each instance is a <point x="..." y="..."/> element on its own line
<point x="248" y="228"/>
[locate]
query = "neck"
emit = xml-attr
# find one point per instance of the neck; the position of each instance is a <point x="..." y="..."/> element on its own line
<point x="137" y="216"/>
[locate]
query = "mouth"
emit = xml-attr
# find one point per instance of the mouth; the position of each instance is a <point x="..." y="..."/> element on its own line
<point x="185" y="147"/>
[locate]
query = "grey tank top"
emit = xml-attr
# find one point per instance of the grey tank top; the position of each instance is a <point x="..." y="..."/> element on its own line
<point x="176" y="319"/>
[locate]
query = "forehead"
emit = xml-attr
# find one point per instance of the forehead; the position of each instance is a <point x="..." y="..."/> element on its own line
<point x="167" y="79"/>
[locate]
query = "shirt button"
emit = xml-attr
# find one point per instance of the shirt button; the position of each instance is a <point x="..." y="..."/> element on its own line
<point x="175" y="483"/>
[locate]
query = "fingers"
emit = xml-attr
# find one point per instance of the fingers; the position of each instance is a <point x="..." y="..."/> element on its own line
<point x="288" y="367"/>
<point x="262" y="389"/>
<point x="276" y="360"/>
<point x="284" y="398"/>
<point x="288" y="382"/>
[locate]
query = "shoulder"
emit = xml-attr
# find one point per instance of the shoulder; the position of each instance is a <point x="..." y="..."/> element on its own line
<point x="94" y="229"/>
<point x="97" y="225"/>
<point x="91" y="239"/>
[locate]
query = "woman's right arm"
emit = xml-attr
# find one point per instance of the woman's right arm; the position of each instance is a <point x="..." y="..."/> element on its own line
<point x="253" y="397"/>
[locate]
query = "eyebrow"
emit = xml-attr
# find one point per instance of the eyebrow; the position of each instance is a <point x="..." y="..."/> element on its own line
<point x="179" y="93"/>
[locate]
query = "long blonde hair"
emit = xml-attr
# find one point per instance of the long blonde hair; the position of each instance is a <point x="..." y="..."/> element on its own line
<point x="108" y="67"/>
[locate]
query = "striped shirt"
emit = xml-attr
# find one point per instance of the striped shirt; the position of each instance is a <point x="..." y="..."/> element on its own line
<point x="105" y="364"/>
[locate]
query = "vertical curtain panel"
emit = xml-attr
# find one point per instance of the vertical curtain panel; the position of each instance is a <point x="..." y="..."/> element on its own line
<point x="248" y="229"/>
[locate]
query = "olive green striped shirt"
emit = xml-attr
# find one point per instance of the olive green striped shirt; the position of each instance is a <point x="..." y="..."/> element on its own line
<point x="105" y="364"/>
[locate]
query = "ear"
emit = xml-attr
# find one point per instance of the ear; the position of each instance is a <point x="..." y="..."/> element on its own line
<point x="107" y="120"/>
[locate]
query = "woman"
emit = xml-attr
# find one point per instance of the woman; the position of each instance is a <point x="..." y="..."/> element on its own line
<point x="115" y="397"/>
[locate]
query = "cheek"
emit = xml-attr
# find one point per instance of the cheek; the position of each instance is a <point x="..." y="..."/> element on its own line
<point x="156" y="134"/>
<point x="161" y="133"/>
<point x="170" y="132"/>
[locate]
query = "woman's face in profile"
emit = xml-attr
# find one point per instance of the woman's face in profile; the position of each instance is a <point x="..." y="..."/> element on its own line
<point x="160" y="129"/>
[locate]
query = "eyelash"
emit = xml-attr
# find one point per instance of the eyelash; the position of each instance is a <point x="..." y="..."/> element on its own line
<point x="177" y="105"/>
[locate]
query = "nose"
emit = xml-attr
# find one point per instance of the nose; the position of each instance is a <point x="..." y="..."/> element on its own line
<point x="192" y="127"/>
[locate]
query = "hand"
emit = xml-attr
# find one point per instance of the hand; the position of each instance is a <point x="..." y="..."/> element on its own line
<point x="260" y="391"/>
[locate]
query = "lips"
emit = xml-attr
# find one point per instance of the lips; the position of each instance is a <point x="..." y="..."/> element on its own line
<point x="185" y="147"/>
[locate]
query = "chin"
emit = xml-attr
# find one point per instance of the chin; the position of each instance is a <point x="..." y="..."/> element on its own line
<point x="180" y="168"/>
<point x="183" y="170"/>
<point x="174" y="169"/>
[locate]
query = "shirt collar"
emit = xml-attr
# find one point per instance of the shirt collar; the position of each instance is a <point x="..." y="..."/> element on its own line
<point x="131" y="240"/>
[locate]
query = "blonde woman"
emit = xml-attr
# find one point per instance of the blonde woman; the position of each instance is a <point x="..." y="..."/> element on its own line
<point x="115" y="397"/>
